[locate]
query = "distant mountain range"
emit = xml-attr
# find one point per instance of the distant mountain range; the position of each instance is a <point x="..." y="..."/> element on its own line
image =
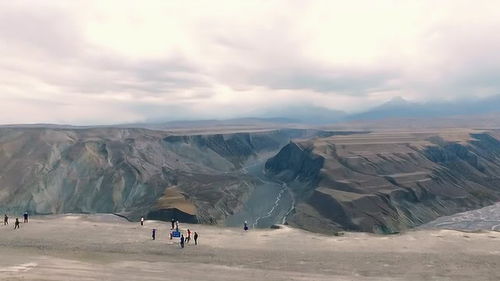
<point x="401" y="108"/>
<point x="397" y="108"/>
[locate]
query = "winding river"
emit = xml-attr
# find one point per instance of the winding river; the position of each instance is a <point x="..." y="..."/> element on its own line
<point x="269" y="203"/>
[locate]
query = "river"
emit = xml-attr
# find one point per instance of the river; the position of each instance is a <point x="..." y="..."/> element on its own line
<point x="268" y="204"/>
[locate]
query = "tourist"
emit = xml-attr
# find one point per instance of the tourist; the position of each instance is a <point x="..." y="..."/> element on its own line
<point x="153" y="234"/>
<point x="245" y="226"/>
<point x="182" y="241"/>
<point x="195" y="236"/>
<point x="188" y="238"/>
<point x="25" y="217"/>
<point x="16" y="224"/>
<point x="5" y="220"/>
<point x="142" y="221"/>
<point x="173" y="223"/>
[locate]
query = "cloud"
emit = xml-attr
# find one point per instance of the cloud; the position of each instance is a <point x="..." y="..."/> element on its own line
<point x="98" y="62"/>
<point x="342" y="81"/>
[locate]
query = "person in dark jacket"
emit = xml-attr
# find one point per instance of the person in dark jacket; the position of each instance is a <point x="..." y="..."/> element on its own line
<point x="25" y="217"/>
<point x="153" y="234"/>
<point x="16" y="224"/>
<point x="173" y="223"/>
<point x="195" y="236"/>
<point x="5" y="220"/>
<point x="182" y="241"/>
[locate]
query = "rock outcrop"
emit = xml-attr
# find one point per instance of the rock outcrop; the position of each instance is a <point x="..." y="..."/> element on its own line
<point x="376" y="182"/>
<point x="131" y="172"/>
<point x="388" y="182"/>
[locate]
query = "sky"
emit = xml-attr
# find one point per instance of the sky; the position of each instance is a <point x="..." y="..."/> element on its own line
<point x="106" y="62"/>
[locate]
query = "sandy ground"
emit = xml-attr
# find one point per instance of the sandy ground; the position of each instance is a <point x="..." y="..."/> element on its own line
<point x="104" y="247"/>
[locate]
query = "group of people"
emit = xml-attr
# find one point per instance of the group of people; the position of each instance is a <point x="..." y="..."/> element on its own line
<point x="183" y="240"/>
<point x="188" y="238"/>
<point x="175" y="228"/>
<point x="16" y="223"/>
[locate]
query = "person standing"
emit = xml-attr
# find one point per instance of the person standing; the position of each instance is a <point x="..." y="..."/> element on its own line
<point x="5" y="220"/>
<point x="195" y="236"/>
<point x="245" y="226"/>
<point x="173" y="223"/>
<point x="188" y="238"/>
<point x="25" y="217"/>
<point x="182" y="241"/>
<point x="153" y="234"/>
<point x="142" y="221"/>
<point x="177" y="225"/>
<point x="16" y="224"/>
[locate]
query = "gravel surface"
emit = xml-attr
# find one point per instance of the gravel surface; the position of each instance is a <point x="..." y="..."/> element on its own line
<point x="103" y="247"/>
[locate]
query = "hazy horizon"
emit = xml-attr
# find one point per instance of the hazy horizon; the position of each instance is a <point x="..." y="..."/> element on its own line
<point x="117" y="62"/>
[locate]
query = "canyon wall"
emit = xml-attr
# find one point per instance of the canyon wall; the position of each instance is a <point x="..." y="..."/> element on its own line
<point x="388" y="182"/>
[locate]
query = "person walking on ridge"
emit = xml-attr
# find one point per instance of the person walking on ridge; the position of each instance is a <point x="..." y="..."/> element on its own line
<point x="142" y="221"/>
<point x="5" y="220"/>
<point x="153" y="234"/>
<point x="195" y="236"/>
<point x="25" y="217"/>
<point x="16" y="224"/>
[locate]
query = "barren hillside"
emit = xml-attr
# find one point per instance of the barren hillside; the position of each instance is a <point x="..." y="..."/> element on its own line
<point x="388" y="181"/>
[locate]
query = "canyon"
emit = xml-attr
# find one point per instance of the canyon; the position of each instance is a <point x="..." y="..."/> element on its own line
<point x="381" y="181"/>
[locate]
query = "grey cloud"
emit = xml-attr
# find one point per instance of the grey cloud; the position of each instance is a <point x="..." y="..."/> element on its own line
<point x="46" y="43"/>
<point x="469" y="62"/>
<point x="283" y="65"/>
<point x="50" y="30"/>
<point x="341" y="81"/>
<point x="44" y="51"/>
<point x="143" y="77"/>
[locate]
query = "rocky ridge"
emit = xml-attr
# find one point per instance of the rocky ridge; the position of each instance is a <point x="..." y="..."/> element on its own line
<point x="388" y="182"/>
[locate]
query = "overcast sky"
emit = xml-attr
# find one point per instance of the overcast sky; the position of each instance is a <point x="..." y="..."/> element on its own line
<point x="102" y="62"/>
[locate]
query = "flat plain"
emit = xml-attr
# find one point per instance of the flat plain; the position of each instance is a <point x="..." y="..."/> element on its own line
<point x="105" y="247"/>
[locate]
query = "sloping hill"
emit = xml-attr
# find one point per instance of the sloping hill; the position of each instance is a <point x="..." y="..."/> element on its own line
<point x="389" y="181"/>
<point x="133" y="172"/>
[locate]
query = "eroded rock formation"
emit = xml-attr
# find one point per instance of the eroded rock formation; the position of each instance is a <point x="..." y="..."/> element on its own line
<point x="386" y="182"/>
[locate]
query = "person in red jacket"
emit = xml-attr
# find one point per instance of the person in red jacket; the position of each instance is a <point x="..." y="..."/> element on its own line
<point x="188" y="238"/>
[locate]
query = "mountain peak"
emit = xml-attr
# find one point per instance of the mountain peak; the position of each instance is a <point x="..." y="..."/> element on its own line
<point x="396" y="101"/>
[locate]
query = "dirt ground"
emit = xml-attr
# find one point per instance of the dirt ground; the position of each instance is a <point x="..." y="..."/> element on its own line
<point x="105" y="247"/>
